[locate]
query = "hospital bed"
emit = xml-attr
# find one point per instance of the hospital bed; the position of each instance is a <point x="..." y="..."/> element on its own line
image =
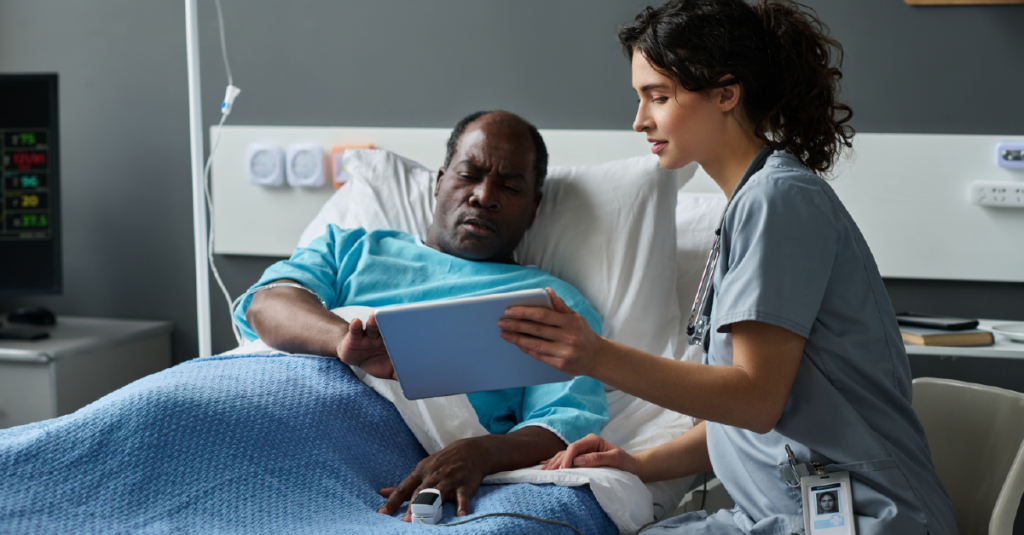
<point x="258" y="441"/>
<point x="623" y="233"/>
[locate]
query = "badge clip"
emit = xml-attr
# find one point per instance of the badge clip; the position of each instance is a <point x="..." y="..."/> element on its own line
<point x="827" y="499"/>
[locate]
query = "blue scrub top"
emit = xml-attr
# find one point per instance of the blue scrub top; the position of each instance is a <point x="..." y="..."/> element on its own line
<point x="353" y="267"/>
<point x="792" y="256"/>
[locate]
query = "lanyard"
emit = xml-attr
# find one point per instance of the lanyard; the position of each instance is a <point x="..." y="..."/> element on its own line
<point x="700" y="314"/>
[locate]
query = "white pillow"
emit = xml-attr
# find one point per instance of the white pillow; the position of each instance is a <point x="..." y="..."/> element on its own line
<point x="384" y="191"/>
<point x="608" y="229"/>
<point x="333" y="211"/>
<point x="389" y="192"/>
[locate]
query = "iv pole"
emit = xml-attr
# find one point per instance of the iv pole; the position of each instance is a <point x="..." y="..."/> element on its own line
<point x="195" y="122"/>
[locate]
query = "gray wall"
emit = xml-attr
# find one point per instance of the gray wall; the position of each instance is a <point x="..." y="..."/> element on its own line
<point x="125" y="163"/>
<point x="127" y="201"/>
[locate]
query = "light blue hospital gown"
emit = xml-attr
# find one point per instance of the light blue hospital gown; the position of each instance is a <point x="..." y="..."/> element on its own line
<point x="792" y="256"/>
<point x="380" y="268"/>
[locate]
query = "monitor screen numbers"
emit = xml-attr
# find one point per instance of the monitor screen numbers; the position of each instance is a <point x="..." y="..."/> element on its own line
<point x="24" y="163"/>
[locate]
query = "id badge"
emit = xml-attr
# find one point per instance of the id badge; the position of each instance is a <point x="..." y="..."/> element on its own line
<point x="828" y="504"/>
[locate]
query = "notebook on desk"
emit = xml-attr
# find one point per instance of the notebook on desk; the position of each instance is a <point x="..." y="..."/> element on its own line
<point x="923" y="336"/>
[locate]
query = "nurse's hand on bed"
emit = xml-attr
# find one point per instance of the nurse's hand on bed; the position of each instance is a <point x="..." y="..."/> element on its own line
<point x="364" y="347"/>
<point x="560" y="338"/>
<point x="592" y="451"/>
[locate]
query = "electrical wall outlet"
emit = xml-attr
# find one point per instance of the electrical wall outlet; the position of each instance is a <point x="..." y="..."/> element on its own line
<point x="1002" y="194"/>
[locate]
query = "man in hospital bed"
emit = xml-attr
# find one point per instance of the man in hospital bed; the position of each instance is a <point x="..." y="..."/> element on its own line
<point x="487" y="196"/>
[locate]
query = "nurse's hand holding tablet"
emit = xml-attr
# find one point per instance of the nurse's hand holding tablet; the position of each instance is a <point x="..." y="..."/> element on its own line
<point x="558" y="337"/>
<point x="805" y="385"/>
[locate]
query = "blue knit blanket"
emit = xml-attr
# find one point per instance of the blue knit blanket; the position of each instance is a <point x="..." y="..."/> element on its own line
<point x="242" y="444"/>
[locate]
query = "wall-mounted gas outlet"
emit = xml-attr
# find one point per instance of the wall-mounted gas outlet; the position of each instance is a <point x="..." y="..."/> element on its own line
<point x="264" y="164"/>
<point x="305" y="165"/>
<point x="1010" y="155"/>
<point x="993" y="193"/>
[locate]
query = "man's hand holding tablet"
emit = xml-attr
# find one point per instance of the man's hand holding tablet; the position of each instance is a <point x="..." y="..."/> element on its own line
<point x="364" y="347"/>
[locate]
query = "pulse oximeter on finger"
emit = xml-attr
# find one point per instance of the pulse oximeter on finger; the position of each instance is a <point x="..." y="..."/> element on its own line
<point x="426" y="508"/>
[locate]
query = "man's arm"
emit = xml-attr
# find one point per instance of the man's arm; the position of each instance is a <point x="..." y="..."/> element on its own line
<point x="457" y="470"/>
<point x="293" y="320"/>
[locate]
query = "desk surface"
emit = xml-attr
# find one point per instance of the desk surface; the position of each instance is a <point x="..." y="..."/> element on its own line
<point x="1003" y="348"/>
<point x="75" y="334"/>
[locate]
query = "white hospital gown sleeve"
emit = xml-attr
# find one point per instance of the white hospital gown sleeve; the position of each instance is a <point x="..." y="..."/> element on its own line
<point x="320" y="266"/>
<point x="778" y="246"/>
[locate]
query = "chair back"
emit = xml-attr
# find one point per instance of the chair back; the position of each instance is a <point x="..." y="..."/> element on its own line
<point x="976" y="434"/>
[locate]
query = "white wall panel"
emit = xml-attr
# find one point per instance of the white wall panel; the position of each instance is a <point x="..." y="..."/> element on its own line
<point x="907" y="192"/>
<point x="251" y="220"/>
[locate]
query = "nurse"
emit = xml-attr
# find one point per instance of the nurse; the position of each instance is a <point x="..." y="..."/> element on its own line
<point x="801" y="344"/>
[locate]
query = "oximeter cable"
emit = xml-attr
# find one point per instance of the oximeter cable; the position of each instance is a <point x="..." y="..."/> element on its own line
<point x="517" y="515"/>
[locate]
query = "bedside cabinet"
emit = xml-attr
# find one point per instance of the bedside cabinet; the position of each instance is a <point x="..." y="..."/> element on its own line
<point x="83" y="360"/>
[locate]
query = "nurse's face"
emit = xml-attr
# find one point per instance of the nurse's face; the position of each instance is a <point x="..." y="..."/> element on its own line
<point x="683" y="126"/>
<point x="827" y="503"/>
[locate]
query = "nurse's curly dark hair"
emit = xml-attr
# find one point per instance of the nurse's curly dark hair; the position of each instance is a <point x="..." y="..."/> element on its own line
<point x="778" y="51"/>
<point x="540" y="156"/>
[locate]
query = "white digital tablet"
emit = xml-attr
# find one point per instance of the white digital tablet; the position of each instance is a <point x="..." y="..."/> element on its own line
<point x="440" y="348"/>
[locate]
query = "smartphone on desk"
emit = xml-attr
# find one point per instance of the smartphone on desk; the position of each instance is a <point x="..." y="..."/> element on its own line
<point x="929" y="321"/>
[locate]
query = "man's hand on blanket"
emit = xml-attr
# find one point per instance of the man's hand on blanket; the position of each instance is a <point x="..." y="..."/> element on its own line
<point x="364" y="347"/>
<point x="560" y="338"/>
<point x="458" y="469"/>
<point x="592" y="451"/>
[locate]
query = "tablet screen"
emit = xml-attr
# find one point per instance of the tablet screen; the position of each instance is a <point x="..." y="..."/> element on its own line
<point x="440" y="348"/>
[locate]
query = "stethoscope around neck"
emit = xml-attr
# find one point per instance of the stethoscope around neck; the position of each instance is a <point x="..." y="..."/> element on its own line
<point x="700" y="314"/>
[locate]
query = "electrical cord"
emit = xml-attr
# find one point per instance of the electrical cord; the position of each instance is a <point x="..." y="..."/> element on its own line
<point x="517" y="515"/>
<point x="645" y="526"/>
<point x="652" y="522"/>
<point x="704" y="493"/>
<point x="703" y="498"/>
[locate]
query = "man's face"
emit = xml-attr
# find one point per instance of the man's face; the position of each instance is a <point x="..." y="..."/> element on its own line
<point x="485" y="198"/>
